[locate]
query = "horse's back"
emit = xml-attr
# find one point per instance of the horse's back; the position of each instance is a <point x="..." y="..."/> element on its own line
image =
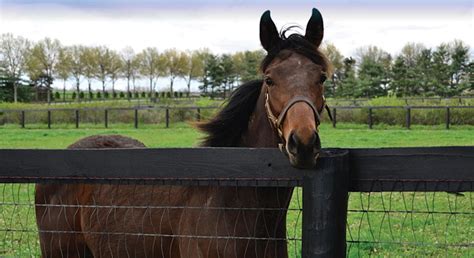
<point x="60" y="207"/>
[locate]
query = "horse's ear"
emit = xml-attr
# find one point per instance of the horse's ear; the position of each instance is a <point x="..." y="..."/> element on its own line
<point x="268" y="31"/>
<point x="315" y="28"/>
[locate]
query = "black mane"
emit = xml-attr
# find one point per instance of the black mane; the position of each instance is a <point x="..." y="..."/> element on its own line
<point x="227" y="127"/>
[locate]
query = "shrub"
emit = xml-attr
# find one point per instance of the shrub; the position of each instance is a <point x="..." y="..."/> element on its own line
<point x="81" y="95"/>
<point x="74" y="95"/>
<point x="143" y="94"/>
<point x="163" y="94"/>
<point x="180" y="94"/>
<point x="122" y="95"/>
<point x="99" y="96"/>
<point x="168" y="94"/>
<point x="106" y="94"/>
<point x="57" y="95"/>
<point x="114" y="94"/>
<point x="91" y="95"/>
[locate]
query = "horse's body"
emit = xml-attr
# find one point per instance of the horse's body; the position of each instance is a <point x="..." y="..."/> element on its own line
<point x="151" y="221"/>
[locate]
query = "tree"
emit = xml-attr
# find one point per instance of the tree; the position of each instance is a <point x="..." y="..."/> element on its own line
<point x="228" y="73"/>
<point x="248" y="65"/>
<point x="194" y="67"/>
<point x="374" y="71"/>
<point x="43" y="62"/>
<point x="348" y="79"/>
<point x="424" y="71"/>
<point x="337" y="62"/>
<point x="89" y="60"/>
<point x="114" y="68"/>
<point x="77" y="66"/>
<point x="459" y="67"/>
<point x="14" y="52"/>
<point x="175" y="65"/>
<point x="130" y="67"/>
<point x="102" y="57"/>
<point x="64" y="68"/>
<point x="441" y="70"/>
<point x="150" y="63"/>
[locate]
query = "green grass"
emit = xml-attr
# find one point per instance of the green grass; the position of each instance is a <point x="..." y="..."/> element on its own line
<point x="432" y="224"/>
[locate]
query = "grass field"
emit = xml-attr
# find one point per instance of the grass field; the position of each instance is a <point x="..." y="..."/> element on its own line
<point x="440" y="221"/>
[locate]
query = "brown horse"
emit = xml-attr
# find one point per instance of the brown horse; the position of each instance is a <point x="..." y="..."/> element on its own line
<point x="283" y="109"/>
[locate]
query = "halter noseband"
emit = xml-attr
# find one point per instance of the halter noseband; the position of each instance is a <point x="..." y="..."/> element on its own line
<point x="277" y="122"/>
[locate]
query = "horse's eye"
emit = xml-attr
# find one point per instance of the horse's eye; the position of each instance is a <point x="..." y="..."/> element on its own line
<point x="269" y="81"/>
<point x="323" y="78"/>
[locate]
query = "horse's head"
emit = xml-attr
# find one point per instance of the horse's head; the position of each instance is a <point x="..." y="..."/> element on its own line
<point x="294" y="71"/>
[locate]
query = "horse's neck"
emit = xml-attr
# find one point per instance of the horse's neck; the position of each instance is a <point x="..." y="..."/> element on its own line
<point x="260" y="133"/>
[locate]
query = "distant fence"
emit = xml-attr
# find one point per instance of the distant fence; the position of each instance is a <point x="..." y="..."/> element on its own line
<point x="167" y="115"/>
<point x="400" y="206"/>
<point x="459" y="99"/>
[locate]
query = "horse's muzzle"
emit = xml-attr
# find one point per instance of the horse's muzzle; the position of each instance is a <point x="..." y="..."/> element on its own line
<point x="303" y="155"/>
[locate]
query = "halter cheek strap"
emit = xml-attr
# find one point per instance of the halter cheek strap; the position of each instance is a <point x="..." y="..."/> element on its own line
<point x="277" y="122"/>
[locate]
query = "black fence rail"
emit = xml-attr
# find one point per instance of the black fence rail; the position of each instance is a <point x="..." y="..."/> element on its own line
<point x="167" y="115"/>
<point x="357" y="202"/>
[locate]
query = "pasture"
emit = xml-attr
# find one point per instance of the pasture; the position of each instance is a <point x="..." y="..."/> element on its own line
<point x="448" y="221"/>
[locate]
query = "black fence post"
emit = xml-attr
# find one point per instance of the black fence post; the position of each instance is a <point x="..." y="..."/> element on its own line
<point x="77" y="118"/>
<point x="22" y="119"/>
<point x="448" y="117"/>
<point x="106" y="118"/>
<point x="198" y="115"/>
<point x="167" y="117"/>
<point x="370" y="118"/>
<point x="334" y="117"/>
<point x="325" y="197"/>
<point x="136" y="118"/>
<point x="408" y="117"/>
<point x="49" y="119"/>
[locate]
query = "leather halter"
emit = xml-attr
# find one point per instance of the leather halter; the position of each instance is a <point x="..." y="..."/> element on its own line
<point x="277" y="122"/>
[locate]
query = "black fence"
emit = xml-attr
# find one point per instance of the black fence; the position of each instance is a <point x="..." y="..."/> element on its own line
<point x="357" y="202"/>
<point x="460" y="99"/>
<point x="166" y="115"/>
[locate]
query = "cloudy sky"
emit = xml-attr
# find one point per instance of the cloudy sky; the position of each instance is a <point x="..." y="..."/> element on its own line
<point x="229" y="26"/>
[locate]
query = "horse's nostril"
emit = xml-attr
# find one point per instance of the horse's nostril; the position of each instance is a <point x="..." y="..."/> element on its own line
<point x="293" y="144"/>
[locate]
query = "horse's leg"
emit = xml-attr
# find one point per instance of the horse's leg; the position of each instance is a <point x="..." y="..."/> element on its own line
<point x="59" y="226"/>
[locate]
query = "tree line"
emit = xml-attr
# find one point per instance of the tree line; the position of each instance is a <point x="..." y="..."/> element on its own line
<point x="47" y="60"/>
<point x="443" y="71"/>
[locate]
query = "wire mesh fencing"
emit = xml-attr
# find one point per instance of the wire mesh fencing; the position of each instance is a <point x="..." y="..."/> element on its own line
<point x="236" y="203"/>
<point x="146" y="220"/>
<point x="418" y="223"/>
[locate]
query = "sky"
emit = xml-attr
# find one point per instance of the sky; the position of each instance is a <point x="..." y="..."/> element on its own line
<point x="226" y="26"/>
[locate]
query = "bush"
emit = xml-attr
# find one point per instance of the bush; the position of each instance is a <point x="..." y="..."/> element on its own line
<point x="106" y="94"/>
<point x="99" y="96"/>
<point x="137" y="95"/>
<point x="168" y="94"/>
<point x="180" y="94"/>
<point x="143" y="94"/>
<point x="74" y="95"/>
<point x="163" y="94"/>
<point x="81" y="95"/>
<point x="91" y="95"/>
<point x="57" y="95"/>
<point x="122" y="95"/>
